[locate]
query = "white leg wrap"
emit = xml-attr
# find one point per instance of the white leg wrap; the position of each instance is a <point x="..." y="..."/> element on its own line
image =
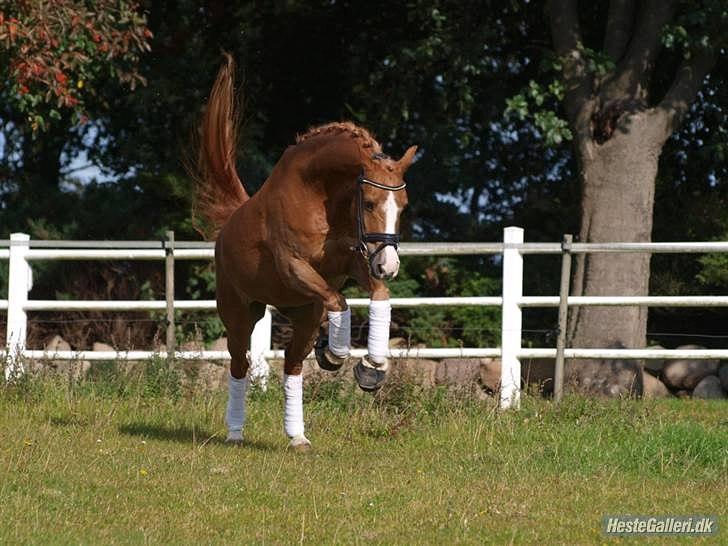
<point x="380" y="315"/>
<point x="235" y="414"/>
<point x="340" y="332"/>
<point x="293" y="417"/>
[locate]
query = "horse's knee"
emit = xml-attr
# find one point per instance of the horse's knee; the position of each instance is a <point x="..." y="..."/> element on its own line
<point x="335" y="302"/>
<point x="293" y="368"/>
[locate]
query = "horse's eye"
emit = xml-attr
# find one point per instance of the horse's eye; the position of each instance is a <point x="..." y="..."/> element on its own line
<point x="369" y="206"/>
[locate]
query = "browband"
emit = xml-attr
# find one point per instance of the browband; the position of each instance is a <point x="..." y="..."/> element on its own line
<point x="363" y="180"/>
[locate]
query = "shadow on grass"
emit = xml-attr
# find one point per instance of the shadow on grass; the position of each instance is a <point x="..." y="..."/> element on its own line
<point x="185" y="435"/>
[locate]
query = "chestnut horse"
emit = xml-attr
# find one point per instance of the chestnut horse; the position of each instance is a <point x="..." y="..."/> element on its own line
<point x="328" y="211"/>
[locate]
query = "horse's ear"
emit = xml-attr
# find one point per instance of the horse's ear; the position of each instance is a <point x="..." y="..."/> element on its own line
<point x="406" y="160"/>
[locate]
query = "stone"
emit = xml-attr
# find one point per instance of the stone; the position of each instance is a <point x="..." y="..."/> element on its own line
<point x="538" y="373"/>
<point x="457" y="371"/>
<point x="723" y="376"/>
<point x="56" y="344"/>
<point x="611" y="378"/>
<point x="654" y="388"/>
<point x="398" y="343"/>
<point x="709" y="388"/>
<point x="220" y="344"/>
<point x="682" y="393"/>
<point x="204" y="375"/>
<point x="654" y="367"/>
<point x="419" y="371"/>
<point x="685" y="374"/>
<point x="194" y="346"/>
<point x="490" y="374"/>
<point x="74" y="369"/>
<point x="98" y="346"/>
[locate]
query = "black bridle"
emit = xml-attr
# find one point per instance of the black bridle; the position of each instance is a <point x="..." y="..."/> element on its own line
<point x="384" y="239"/>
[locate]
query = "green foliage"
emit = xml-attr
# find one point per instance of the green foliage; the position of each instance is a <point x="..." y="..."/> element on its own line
<point x="714" y="269"/>
<point x="205" y="326"/>
<point x="56" y="53"/>
<point x="472" y="326"/>
<point x="533" y="104"/>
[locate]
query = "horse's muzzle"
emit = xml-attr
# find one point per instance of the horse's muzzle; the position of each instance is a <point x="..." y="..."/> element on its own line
<point x="385" y="264"/>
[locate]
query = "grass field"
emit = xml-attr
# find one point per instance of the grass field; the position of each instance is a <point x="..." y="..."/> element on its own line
<point x="141" y="460"/>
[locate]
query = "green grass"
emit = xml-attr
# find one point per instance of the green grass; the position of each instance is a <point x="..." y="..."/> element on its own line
<point x="141" y="460"/>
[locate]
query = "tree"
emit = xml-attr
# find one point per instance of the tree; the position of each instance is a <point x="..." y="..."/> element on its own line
<point x="622" y="110"/>
<point x="54" y="57"/>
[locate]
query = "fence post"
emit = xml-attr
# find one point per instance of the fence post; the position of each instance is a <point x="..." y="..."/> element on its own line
<point x="260" y="342"/>
<point x="563" y="317"/>
<point x="20" y="281"/>
<point x="169" y="293"/>
<point x="510" y="391"/>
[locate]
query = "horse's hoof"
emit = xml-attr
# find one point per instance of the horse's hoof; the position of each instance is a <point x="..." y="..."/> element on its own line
<point x="326" y="359"/>
<point x="369" y="377"/>
<point x="299" y="444"/>
<point x="234" y="438"/>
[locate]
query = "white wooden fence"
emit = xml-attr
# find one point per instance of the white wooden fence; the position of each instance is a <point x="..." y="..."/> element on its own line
<point x="20" y="251"/>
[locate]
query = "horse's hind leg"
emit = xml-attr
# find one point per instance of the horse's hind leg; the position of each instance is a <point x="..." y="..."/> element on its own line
<point x="305" y="321"/>
<point x="239" y="318"/>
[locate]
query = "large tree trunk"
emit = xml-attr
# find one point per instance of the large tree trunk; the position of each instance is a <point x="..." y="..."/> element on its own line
<point x="618" y="143"/>
<point x="618" y="181"/>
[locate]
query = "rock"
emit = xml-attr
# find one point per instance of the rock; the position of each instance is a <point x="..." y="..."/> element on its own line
<point x="612" y="378"/>
<point x="194" y="346"/>
<point x="220" y="344"/>
<point x="682" y="394"/>
<point x="457" y="371"/>
<point x="654" y="367"/>
<point x="654" y="388"/>
<point x="208" y="376"/>
<point x="56" y="344"/>
<point x="685" y="374"/>
<point x="490" y="374"/>
<point x="75" y="369"/>
<point x="709" y="388"/>
<point x="414" y="370"/>
<point x="398" y="343"/>
<point x="98" y="346"/>
<point x="723" y="376"/>
<point x="538" y="373"/>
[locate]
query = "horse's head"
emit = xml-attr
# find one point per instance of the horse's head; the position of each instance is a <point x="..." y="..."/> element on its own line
<point x="381" y="196"/>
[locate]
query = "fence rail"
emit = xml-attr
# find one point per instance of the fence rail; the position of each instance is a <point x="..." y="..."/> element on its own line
<point x="20" y="251"/>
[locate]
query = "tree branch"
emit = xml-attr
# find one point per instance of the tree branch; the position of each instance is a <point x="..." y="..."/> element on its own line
<point x="619" y="27"/>
<point x="630" y="79"/>
<point x="566" y="35"/>
<point x="688" y="81"/>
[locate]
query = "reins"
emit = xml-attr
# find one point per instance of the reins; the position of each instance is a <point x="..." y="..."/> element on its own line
<point x="385" y="239"/>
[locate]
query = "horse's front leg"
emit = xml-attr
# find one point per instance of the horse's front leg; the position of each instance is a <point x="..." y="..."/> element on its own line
<point x="332" y="352"/>
<point x="305" y="321"/>
<point x="371" y="370"/>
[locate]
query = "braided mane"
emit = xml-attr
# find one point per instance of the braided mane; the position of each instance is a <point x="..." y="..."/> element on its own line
<point x="364" y="138"/>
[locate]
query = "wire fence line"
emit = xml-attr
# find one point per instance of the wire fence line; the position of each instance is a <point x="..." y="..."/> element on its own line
<point x="21" y="251"/>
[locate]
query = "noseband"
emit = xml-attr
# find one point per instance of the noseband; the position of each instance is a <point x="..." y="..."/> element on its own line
<point x="384" y="239"/>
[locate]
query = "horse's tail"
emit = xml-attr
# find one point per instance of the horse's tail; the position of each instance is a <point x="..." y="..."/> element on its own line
<point x="219" y="191"/>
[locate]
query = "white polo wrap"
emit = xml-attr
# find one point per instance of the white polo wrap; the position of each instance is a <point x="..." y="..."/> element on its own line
<point x="235" y="413"/>
<point x="340" y="332"/>
<point x="380" y="315"/>
<point x="293" y="415"/>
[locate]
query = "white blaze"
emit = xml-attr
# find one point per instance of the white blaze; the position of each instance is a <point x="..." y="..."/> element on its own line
<point x="391" y="211"/>
<point x="387" y="259"/>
